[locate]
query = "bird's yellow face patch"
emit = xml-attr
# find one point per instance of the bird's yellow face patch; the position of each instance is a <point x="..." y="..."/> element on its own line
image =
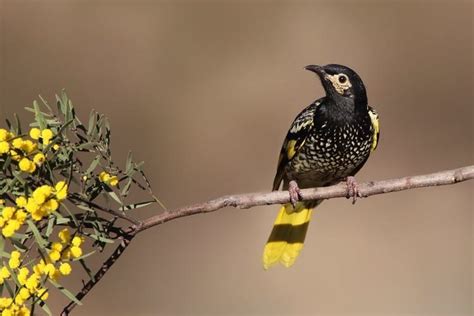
<point x="340" y="82"/>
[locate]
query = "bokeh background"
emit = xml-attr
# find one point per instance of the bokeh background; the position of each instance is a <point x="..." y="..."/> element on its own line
<point x="204" y="92"/>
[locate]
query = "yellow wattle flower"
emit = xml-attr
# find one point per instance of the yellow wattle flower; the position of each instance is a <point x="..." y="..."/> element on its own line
<point x="51" y="205"/>
<point x="21" y="201"/>
<point x="76" y="251"/>
<point x="28" y="146"/>
<point x="76" y="241"/>
<point x="64" y="235"/>
<point x="8" y="212"/>
<point x="17" y="143"/>
<point x="61" y="190"/>
<point x="35" y="133"/>
<point x="24" y="293"/>
<point x="104" y="176"/>
<point x="3" y="134"/>
<point x="46" y="135"/>
<point x="4" y="147"/>
<point x="25" y="164"/>
<point x="42" y="294"/>
<point x="65" y="268"/>
<point x="4" y="273"/>
<point x="54" y="255"/>
<point x="20" y="216"/>
<point x="5" y="302"/>
<point x="39" y="158"/>
<point x="23" y="275"/>
<point x="14" y="261"/>
<point x="113" y="181"/>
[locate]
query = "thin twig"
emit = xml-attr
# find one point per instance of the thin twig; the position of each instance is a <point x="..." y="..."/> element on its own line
<point x="103" y="209"/>
<point x="125" y="241"/>
<point x="277" y="197"/>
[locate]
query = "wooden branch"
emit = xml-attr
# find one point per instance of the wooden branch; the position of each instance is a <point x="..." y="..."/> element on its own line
<point x="277" y="197"/>
<point x="336" y="191"/>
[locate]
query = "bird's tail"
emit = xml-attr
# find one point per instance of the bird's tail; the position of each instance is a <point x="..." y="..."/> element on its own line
<point x="287" y="237"/>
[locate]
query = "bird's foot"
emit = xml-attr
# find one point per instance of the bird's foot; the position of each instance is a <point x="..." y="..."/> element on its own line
<point x="295" y="192"/>
<point x="352" y="189"/>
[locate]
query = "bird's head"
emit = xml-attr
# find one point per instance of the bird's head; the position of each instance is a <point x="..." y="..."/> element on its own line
<point x="341" y="83"/>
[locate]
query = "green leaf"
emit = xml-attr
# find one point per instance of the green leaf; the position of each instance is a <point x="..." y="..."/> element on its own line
<point x="92" y="127"/>
<point x="17" y="243"/>
<point x="39" y="239"/>
<point x="126" y="187"/>
<point x="7" y="286"/>
<point x="93" y="164"/>
<point x="45" y="307"/>
<point x="128" y="163"/>
<point x="13" y="275"/>
<point x="2" y="246"/>
<point x="136" y="205"/>
<point x="71" y="215"/>
<point x="100" y="238"/>
<point x="39" y="116"/>
<point x="61" y="220"/>
<point x="18" y="124"/>
<point x="66" y="292"/>
<point x="112" y="194"/>
<point x="64" y="126"/>
<point x="50" y="227"/>
<point x="85" y="256"/>
<point x="45" y="104"/>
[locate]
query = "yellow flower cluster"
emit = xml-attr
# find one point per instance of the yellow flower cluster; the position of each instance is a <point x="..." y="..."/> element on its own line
<point x="31" y="281"/>
<point x="43" y="201"/>
<point x="25" y="151"/>
<point x="29" y="286"/>
<point x="108" y="178"/>
<point x="66" y="249"/>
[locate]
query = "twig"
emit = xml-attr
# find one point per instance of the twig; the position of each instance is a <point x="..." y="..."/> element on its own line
<point x="125" y="241"/>
<point x="336" y="191"/>
<point x="277" y="197"/>
<point x="103" y="209"/>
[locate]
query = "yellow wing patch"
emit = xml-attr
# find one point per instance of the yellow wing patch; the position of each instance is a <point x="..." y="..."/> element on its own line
<point x="374" y="117"/>
<point x="292" y="147"/>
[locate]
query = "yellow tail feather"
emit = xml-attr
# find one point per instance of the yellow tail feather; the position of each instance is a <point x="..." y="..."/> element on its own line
<point x="287" y="237"/>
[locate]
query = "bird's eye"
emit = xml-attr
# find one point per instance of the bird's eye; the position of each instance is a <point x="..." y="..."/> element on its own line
<point x="342" y="78"/>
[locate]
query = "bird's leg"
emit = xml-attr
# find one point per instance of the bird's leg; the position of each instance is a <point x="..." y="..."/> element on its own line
<point x="295" y="192"/>
<point x="352" y="189"/>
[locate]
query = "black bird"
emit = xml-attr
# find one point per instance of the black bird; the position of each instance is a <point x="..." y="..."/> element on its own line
<point x="328" y="142"/>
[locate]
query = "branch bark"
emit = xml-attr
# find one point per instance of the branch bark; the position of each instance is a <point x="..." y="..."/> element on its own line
<point x="336" y="191"/>
<point x="249" y="200"/>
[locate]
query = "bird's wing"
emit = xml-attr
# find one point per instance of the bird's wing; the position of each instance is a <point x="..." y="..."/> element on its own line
<point x="374" y="118"/>
<point x="294" y="140"/>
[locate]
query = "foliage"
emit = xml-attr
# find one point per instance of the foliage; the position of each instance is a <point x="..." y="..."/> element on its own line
<point x="62" y="199"/>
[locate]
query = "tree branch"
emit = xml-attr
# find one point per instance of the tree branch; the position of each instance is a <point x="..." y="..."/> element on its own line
<point x="336" y="191"/>
<point x="277" y="197"/>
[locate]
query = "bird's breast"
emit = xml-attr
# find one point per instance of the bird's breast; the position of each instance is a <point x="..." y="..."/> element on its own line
<point x="331" y="153"/>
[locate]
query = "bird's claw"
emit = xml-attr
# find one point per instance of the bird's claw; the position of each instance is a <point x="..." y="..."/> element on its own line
<point x="352" y="189"/>
<point x="295" y="193"/>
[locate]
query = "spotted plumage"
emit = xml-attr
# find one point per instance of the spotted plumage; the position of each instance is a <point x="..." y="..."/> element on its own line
<point x="328" y="141"/>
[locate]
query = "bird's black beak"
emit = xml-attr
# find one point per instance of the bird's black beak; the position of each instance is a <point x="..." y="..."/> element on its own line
<point x="319" y="70"/>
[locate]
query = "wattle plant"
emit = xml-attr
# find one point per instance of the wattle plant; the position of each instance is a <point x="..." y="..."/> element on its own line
<point x="62" y="199"/>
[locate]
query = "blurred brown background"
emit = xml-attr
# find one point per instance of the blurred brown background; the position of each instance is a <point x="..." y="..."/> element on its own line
<point x="205" y="92"/>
